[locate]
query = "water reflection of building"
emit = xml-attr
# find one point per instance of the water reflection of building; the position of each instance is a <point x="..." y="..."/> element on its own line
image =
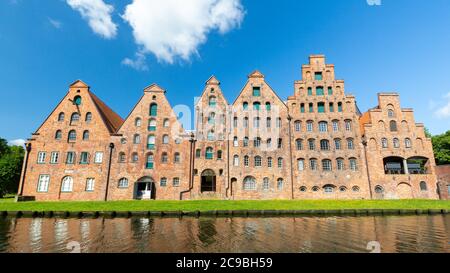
<point x="443" y="174"/>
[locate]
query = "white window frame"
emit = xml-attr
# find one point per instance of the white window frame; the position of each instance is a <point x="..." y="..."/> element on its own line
<point x="67" y="184"/>
<point x="90" y="184"/>
<point x="98" y="159"/>
<point x="54" y="158"/>
<point x="41" y="157"/>
<point x="43" y="183"/>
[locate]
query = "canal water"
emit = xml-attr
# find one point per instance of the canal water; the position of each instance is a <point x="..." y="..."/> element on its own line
<point x="391" y="234"/>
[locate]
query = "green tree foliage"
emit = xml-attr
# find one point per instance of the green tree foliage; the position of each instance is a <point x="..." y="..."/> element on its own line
<point x="441" y="147"/>
<point x="11" y="159"/>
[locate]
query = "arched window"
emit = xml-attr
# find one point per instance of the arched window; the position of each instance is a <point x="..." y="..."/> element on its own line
<point x="393" y="126"/>
<point x="331" y="107"/>
<point x="77" y="100"/>
<point x="245" y="105"/>
<point x="236" y="160"/>
<point x="235" y="142"/>
<point x="336" y="125"/>
<point x="258" y="161"/>
<point x="266" y="183"/>
<point x="340" y="107"/>
<point x="249" y="183"/>
<point x="303" y="189"/>
<point x="423" y="186"/>
<point x="198" y="153"/>
<point x="301" y="164"/>
<point x="150" y="161"/>
<point x="164" y="158"/>
<point x="122" y="157"/>
<point x="137" y="139"/>
<point x="350" y="144"/>
<point x="211" y="136"/>
<point x="166" y="123"/>
<point x="67" y="184"/>
<point x="298" y="125"/>
<point x="268" y="106"/>
<point x="256" y="122"/>
<point x="245" y="122"/>
<point x="212" y="118"/>
<point x="268" y="122"/>
<point x="309" y="126"/>
<point x="58" y="135"/>
<point x="75" y="118"/>
<point x="138" y="122"/>
<point x="299" y="144"/>
<point x="312" y="144"/>
<point x="165" y="139"/>
<point x="209" y="153"/>
<point x="219" y="154"/>
<point x="391" y="113"/>
<point x="319" y="91"/>
<point x="348" y="125"/>
<point x="134" y="157"/>
<point x="163" y="182"/>
<point x="61" y="117"/>
<point x="329" y="188"/>
<point x="152" y="125"/>
<point x="212" y="101"/>
<point x="257" y="142"/>
<point x="269" y="143"/>
<point x="72" y="135"/>
<point x="313" y="164"/>
<point x="280" y="162"/>
<point x="340" y="164"/>
<point x="278" y="123"/>
<point x="269" y="162"/>
<point x="280" y="184"/>
<point x="326" y="165"/>
<point x="151" y="141"/>
<point x="235" y="122"/>
<point x="382" y="125"/>
<point x="256" y="106"/>
<point x="324" y="145"/>
<point x="384" y="143"/>
<point x="246" y="161"/>
<point x="337" y="144"/>
<point x="353" y="164"/>
<point x="86" y="135"/>
<point x="315" y="189"/>
<point x="408" y="143"/>
<point x="177" y="158"/>
<point x="245" y="142"/>
<point x="396" y="143"/>
<point x="123" y="183"/>
<point x="323" y="126"/>
<point x="355" y="189"/>
<point x="88" y="117"/>
<point x="379" y="189"/>
<point x="153" y="110"/>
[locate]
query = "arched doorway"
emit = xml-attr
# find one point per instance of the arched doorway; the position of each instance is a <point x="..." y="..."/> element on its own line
<point x="145" y="189"/>
<point x="208" y="183"/>
<point x="404" y="191"/>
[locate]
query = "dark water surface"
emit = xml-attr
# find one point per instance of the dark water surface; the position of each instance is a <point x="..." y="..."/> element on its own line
<point x="235" y="235"/>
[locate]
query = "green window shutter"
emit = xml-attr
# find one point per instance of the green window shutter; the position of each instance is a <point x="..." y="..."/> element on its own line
<point x="309" y="91"/>
<point x="321" y="107"/>
<point x="311" y="108"/>
<point x="302" y="108"/>
<point x="319" y="91"/>
<point x="331" y="107"/>
<point x="256" y="91"/>
<point x="318" y="76"/>
<point x="340" y="107"/>
<point x="149" y="165"/>
<point x="153" y="110"/>
<point x="330" y="90"/>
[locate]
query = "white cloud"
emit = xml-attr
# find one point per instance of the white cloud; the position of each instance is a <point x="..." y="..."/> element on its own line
<point x="55" y="23"/>
<point x="137" y="63"/>
<point x="444" y="110"/>
<point x="17" y="142"/>
<point x="173" y="29"/>
<point x="98" y="15"/>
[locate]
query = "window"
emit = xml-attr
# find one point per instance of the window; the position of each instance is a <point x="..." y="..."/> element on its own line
<point x="379" y="189"/>
<point x="164" y="158"/>
<point x="384" y="143"/>
<point x="211" y="136"/>
<point x="266" y="184"/>
<point x="98" y="158"/>
<point x="236" y="161"/>
<point x="310" y="93"/>
<point x="280" y="184"/>
<point x="324" y="145"/>
<point x="408" y="143"/>
<point x="303" y="189"/>
<point x="350" y="144"/>
<point x="301" y="164"/>
<point x="319" y="91"/>
<point x="219" y="155"/>
<point x="355" y="189"/>
<point x="153" y="110"/>
<point x="340" y="107"/>
<point x="246" y="122"/>
<point x="150" y="162"/>
<point x="335" y="125"/>
<point x="245" y="105"/>
<point x="391" y="113"/>
<point x="235" y="122"/>
<point x="246" y="161"/>
<point x="84" y="158"/>
<point x="235" y="142"/>
<point x="258" y="161"/>
<point x="43" y="183"/>
<point x="165" y="139"/>
<point x="423" y="186"/>
<point x="245" y="142"/>
<point x="198" y="153"/>
<point x="330" y="90"/>
<point x="315" y="189"/>
<point x="326" y="165"/>
<point x="67" y="184"/>
<point x="393" y="126"/>
<point x="269" y="143"/>
<point x="72" y="135"/>
<point x="137" y="139"/>
<point x="328" y="189"/>
<point x="353" y="164"/>
<point x="278" y="123"/>
<point x="166" y="123"/>
<point x="122" y="157"/>
<point x="340" y="164"/>
<point x="268" y="106"/>
<point x="337" y="144"/>
<point x="318" y="76"/>
<point x="134" y="158"/>
<point x="302" y="108"/>
<point x="249" y="183"/>
<point x="323" y="126"/>
<point x="77" y="100"/>
<point x="163" y="182"/>
<point x="396" y="143"/>
<point x="348" y="125"/>
<point x="151" y="140"/>
<point x="309" y="126"/>
<point x="280" y="143"/>
<point x="299" y="144"/>
<point x="152" y="125"/>
<point x="209" y="153"/>
<point x="256" y="106"/>
<point x="61" y="117"/>
<point x="58" y="135"/>
<point x="70" y="158"/>
<point x="138" y="122"/>
<point x="280" y="162"/>
<point x="176" y="182"/>
<point x="298" y="126"/>
<point x="311" y="108"/>
<point x="269" y="162"/>
<point x="331" y="107"/>
<point x="269" y="123"/>
<point x="177" y="158"/>
<point x="256" y="91"/>
<point x="123" y="183"/>
<point x="88" y="117"/>
<point x="212" y="101"/>
<point x="312" y="144"/>
<point x="90" y="184"/>
<point x="212" y="118"/>
<point x="54" y="159"/>
<point x="257" y="142"/>
<point x="86" y="135"/>
<point x="256" y="122"/>
<point x="74" y="118"/>
<point x="313" y="164"/>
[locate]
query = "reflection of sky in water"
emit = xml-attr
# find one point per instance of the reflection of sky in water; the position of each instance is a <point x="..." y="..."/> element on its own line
<point x="36" y="234"/>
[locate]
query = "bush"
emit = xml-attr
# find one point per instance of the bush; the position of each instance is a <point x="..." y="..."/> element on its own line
<point x="11" y="160"/>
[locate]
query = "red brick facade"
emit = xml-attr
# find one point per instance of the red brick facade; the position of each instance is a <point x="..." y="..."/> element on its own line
<point x="315" y="145"/>
<point x="443" y="176"/>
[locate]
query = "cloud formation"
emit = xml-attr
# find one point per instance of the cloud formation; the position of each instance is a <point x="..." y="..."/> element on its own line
<point x="137" y="63"/>
<point x="444" y="110"/>
<point x="55" y="23"/>
<point x="17" y="142"/>
<point x="172" y="29"/>
<point x="98" y="15"/>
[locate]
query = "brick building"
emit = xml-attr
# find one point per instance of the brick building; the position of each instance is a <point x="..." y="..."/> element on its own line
<point x="314" y="145"/>
<point x="443" y="176"/>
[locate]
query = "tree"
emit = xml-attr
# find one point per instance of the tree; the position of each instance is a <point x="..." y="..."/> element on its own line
<point x="441" y="147"/>
<point x="11" y="160"/>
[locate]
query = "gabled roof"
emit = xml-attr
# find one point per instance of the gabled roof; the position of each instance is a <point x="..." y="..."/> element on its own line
<point x="213" y="81"/>
<point x="79" y="84"/>
<point x="154" y="88"/>
<point x="256" y="74"/>
<point x="112" y="120"/>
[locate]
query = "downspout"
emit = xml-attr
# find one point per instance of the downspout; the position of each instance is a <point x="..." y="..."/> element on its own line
<point x="367" y="168"/>
<point x="111" y="148"/>
<point x="191" y="166"/>
<point x="24" y="170"/>
<point x="290" y="157"/>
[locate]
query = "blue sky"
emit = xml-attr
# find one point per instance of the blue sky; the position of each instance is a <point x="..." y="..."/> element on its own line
<point x="400" y="45"/>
